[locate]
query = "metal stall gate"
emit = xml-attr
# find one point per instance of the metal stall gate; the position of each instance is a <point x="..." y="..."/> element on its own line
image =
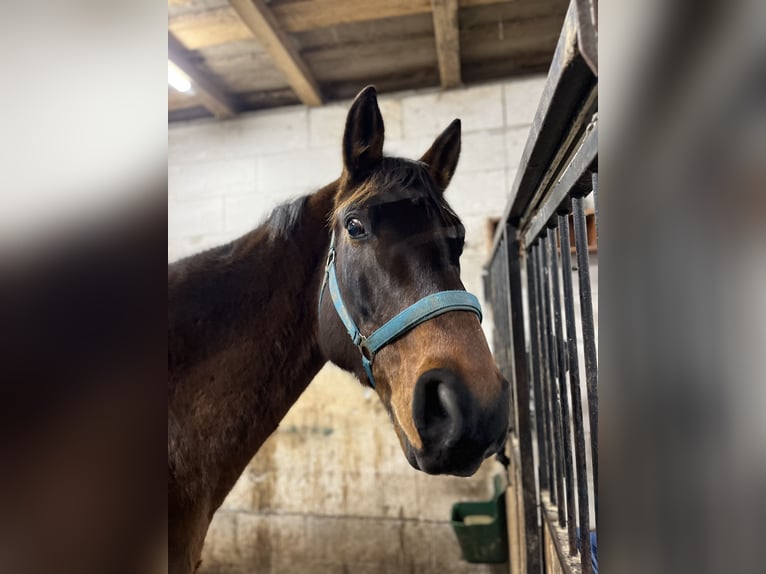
<point x="538" y="285"/>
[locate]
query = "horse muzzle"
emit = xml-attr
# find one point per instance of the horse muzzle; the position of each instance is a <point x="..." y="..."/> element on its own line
<point x="456" y="432"/>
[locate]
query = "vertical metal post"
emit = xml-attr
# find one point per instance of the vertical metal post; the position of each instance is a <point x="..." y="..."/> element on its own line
<point x="546" y="377"/>
<point x="499" y="310"/>
<point x="588" y="333"/>
<point x="503" y="298"/>
<point x="501" y="319"/>
<point x="534" y="334"/>
<point x="553" y="375"/>
<point x="505" y="245"/>
<point x="574" y="383"/>
<point x="521" y="379"/>
<point x="594" y="179"/>
<point x="562" y="368"/>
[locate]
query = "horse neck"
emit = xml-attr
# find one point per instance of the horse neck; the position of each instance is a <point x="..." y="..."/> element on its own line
<point x="243" y="340"/>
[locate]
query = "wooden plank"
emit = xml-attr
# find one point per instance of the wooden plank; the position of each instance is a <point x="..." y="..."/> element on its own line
<point x="244" y="66"/>
<point x="513" y="40"/>
<point x="211" y="96"/>
<point x="259" y="18"/>
<point x="251" y="79"/>
<point x="210" y="28"/>
<point x="472" y="3"/>
<point x="507" y="12"/>
<point x="176" y="9"/>
<point x="269" y="99"/>
<point x="447" y="36"/>
<point x="187" y="114"/>
<point x="333" y="64"/>
<point x="505" y="68"/>
<point x="309" y="14"/>
<point x="424" y="78"/>
<point x="302" y="15"/>
<point x="389" y="29"/>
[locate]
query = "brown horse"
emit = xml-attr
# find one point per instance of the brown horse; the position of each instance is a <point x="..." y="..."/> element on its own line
<point x="248" y="329"/>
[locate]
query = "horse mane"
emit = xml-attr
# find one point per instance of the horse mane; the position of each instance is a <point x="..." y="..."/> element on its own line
<point x="284" y="218"/>
<point x="279" y="224"/>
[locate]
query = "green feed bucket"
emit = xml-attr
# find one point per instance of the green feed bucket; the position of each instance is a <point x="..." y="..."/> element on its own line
<point x="481" y="528"/>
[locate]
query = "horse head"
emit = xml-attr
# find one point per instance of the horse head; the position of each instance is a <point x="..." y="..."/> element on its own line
<point x="392" y="307"/>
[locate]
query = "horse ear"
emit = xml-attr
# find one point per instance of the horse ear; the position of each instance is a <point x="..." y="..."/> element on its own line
<point x="363" y="138"/>
<point x="443" y="154"/>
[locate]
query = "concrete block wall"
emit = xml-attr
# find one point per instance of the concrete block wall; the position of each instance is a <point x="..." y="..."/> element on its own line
<point x="331" y="491"/>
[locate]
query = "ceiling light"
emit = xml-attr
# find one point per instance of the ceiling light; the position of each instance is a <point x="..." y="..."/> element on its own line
<point x="177" y="78"/>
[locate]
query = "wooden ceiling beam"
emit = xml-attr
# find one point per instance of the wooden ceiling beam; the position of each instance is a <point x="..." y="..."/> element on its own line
<point x="222" y="25"/>
<point x="302" y="15"/>
<point x="447" y="32"/>
<point x="209" y="28"/>
<point x="205" y="88"/>
<point x="257" y="16"/>
<point x="310" y="14"/>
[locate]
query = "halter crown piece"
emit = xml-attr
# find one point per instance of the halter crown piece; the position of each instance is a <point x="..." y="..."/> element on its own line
<point x="426" y="308"/>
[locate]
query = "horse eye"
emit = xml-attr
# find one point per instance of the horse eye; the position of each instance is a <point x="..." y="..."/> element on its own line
<point x="354" y="227"/>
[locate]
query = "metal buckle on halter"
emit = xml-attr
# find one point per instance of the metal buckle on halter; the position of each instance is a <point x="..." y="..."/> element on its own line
<point x="330" y="259"/>
<point x="367" y="358"/>
<point x="364" y="349"/>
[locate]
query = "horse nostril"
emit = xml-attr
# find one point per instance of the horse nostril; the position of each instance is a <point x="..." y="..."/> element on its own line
<point x="436" y="407"/>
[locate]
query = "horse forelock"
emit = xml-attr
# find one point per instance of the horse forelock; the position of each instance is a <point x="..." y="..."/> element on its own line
<point x="399" y="177"/>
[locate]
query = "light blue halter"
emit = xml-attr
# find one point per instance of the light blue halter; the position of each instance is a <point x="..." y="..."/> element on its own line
<point x="426" y="308"/>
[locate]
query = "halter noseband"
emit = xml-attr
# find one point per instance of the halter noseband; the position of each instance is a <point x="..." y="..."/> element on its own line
<point x="425" y="309"/>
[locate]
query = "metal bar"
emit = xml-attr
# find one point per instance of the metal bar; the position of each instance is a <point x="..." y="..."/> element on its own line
<point x="564" y="404"/>
<point x="502" y="299"/>
<point x="588" y="334"/>
<point x="553" y="387"/>
<point x="508" y="332"/>
<point x="574" y="383"/>
<point x="503" y="295"/>
<point x="594" y="179"/>
<point x="587" y="31"/>
<point x="578" y="166"/>
<point x="501" y="312"/>
<point x="532" y="530"/>
<point x="534" y="334"/>
<point x="496" y="337"/>
<point x="546" y="377"/>
<point x="500" y="309"/>
<point x="497" y="341"/>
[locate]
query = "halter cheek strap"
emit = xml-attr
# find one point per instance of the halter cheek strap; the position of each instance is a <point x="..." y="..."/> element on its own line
<point x="423" y="310"/>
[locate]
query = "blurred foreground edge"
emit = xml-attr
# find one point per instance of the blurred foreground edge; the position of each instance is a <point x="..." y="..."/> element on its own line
<point x="82" y="396"/>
